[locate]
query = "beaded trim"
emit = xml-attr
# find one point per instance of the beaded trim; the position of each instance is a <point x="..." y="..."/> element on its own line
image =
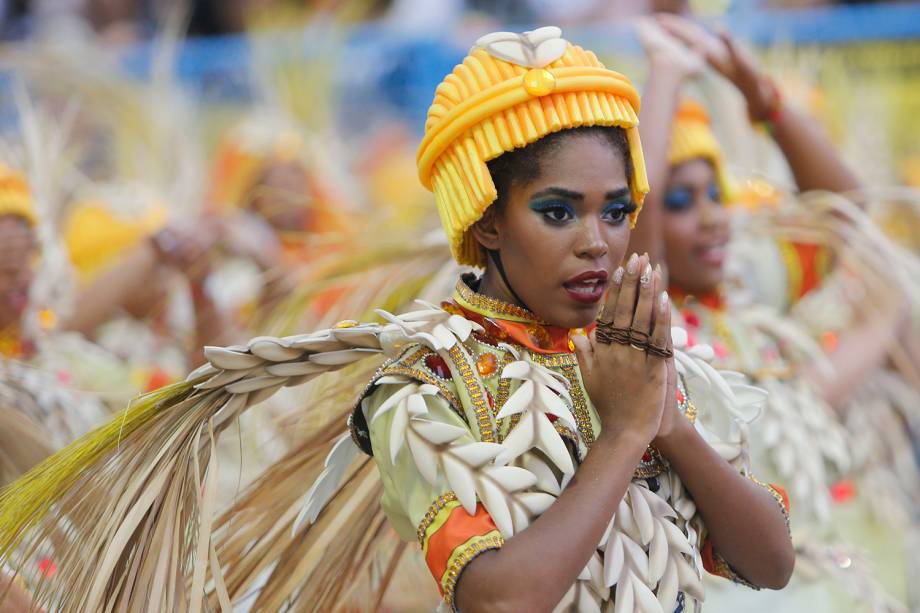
<point x="687" y="408"/>
<point x="476" y="391"/>
<point x="492" y="306"/>
<point x="442" y="501"/>
<point x="555" y="360"/>
<point x="651" y="468"/>
<point x="582" y="415"/>
<point x="463" y="558"/>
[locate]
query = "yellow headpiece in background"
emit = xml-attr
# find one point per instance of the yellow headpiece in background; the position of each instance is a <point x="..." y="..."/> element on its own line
<point x="97" y="232"/>
<point x="16" y="196"/>
<point x="692" y="138"/>
<point x="511" y="90"/>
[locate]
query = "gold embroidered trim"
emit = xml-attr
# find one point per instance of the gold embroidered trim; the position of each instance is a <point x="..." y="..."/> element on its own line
<point x="582" y="415"/>
<point x="554" y="360"/>
<point x="476" y="391"/>
<point x="488" y="306"/>
<point x="435" y="508"/>
<point x="463" y="558"/>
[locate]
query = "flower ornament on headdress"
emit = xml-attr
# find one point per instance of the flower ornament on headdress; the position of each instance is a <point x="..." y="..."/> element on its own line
<point x="535" y="49"/>
<point x="510" y="91"/>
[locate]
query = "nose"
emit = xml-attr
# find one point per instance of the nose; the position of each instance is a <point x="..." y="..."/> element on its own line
<point x="712" y="214"/>
<point x="591" y="244"/>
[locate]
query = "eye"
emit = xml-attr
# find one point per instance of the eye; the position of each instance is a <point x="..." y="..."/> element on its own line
<point x="616" y="212"/>
<point x="554" y="212"/>
<point x="678" y="199"/>
<point x="714" y="193"/>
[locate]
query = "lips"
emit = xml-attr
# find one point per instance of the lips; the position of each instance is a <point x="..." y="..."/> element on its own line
<point x="713" y="254"/>
<point x="588" y="287"/>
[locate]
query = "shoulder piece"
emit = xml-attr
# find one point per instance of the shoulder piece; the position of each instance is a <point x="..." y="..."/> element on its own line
<point x="416" y="362"/>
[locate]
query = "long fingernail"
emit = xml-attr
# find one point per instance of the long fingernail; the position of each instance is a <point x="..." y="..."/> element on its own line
<point x="633" y="264"/>
<point x="664" y="302"/>
<point x="618" y="275"/>
<point x="646" y="277"/>
<point x="658" y="268"/>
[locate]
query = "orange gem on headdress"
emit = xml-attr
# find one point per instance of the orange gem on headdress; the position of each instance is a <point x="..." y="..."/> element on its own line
<point x="486" y="364"/>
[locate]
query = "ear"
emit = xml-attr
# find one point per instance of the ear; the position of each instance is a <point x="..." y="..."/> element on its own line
<point x="487" y="230"/>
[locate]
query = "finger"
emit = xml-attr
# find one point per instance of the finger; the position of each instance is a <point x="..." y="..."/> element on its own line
<point x="642" y="316"/>
<point x="626" y="301"/>
<point x="661" y="332"/>
<point x="584" y="351"/>
<point x="613" y="294"/>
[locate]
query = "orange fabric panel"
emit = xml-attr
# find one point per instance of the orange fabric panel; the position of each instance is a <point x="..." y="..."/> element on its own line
<point x="457" y="530"/>
<point x="810" y="259"/>
<point x="709" y="560"/>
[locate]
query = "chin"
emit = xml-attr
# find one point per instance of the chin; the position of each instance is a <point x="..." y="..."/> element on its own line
<point x="575" y="317"/>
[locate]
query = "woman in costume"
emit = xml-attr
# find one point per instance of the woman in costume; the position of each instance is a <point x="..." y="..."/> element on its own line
<point x="800" y="438"/>
<point x="480" y="423"/>
<point x="40" y="377"/>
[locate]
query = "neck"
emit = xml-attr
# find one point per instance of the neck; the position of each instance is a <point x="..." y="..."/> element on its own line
<point x="492" y="285"/>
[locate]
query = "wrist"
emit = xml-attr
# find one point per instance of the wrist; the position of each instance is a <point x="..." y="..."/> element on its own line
<point x="632" y="441"/>
<point x="676" y="438"/>
<point x="765" y="103"/>
<point x="665" y="69"/>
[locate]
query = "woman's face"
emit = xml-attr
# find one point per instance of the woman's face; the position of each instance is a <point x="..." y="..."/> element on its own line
<point x="696" y="230"/>
<point x="17" y="257"/>
<point x="561" y="235"/>
<point x="282" y="196"/>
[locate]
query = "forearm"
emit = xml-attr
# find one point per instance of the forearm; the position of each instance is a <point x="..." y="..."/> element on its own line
<point x="656" y="119"/>
<point x="745" y="523"/>
<point x="521" y="576"/>
<point x="112" y="289"/>
<point x="813" y="159"/>
<point x="858" y="353"/>
<point x="212" y="326"/>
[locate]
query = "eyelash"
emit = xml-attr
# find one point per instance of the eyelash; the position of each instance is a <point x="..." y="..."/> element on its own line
<point x="546" y="209"/>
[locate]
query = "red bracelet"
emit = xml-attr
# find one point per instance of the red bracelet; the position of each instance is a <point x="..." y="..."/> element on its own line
<point x="774" y="113"/>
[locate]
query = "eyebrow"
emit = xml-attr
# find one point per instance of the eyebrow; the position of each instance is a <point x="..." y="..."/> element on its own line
<point x="559" y="191"/>
<point x="573" y="195"/>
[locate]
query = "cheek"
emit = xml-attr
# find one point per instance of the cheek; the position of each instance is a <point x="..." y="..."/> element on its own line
<point x="528" y="238"/>
<point x="680" y="231"/>
<point x="617" y="239"/>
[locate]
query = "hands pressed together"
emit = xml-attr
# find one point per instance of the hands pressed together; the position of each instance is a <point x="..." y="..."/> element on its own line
<point x="633" y="389"/>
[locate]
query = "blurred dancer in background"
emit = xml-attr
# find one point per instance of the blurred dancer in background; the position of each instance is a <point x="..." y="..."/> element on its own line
<point x="801" y="436"/>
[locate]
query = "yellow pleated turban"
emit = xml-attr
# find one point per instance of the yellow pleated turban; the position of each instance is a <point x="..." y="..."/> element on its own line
<point x="692" y="138"/>
<point x="15" y="195"/>
<point x="511" y="90"/>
